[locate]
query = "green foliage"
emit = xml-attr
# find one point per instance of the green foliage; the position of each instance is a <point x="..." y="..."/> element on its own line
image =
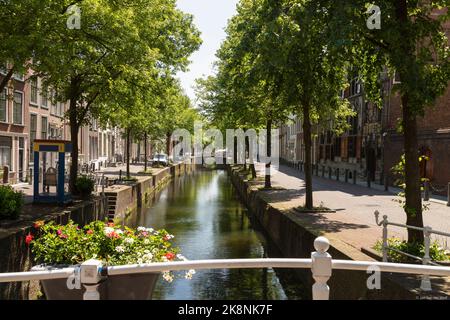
<point x="399" y="171"/>
<point x="437" y="253"/>
<point x="112" y="244"/>
<point x="11" y="203"/>
<point x="85" y="185"/>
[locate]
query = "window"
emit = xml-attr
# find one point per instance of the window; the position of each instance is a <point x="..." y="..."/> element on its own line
<point x="34" y="91"/>
<point x="18" y="108"/>
<point x="33" y="131"/>
<point x="44" y="128"/>
<point x="3" y="103"/>
<point x="5" y="151"/>
<point x="44" y="99"/>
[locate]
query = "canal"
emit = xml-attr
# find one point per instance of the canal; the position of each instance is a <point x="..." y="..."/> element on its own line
<point x="204" y="213"/>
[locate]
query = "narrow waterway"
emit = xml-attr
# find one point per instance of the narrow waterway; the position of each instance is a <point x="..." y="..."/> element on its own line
<point x="209" y="222"/>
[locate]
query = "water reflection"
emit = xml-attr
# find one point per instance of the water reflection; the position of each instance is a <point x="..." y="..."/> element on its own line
<point x="209" y="222"/>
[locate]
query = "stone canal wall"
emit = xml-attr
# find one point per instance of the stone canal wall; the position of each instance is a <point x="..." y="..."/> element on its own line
<point x="14" y="253"/>
<point x="125" y="200"/>
<point x="294" y="238"/>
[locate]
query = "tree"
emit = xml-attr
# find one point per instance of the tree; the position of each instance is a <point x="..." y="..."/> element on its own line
<point x="413" y="43"/>
<point x="314" y="73"/>
<point x="120" y="42"/>
<point x="245" y="91"/>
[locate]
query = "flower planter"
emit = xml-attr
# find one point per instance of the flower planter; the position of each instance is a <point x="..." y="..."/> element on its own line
<point x="138" y="286"/>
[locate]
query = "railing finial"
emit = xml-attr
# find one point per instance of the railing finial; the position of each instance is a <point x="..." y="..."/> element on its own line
<point x="321" y="244"/>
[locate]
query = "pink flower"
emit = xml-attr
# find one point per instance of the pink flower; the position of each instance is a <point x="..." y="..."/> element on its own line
<point x="59" y="232"/>
<point x="89" y="232"/>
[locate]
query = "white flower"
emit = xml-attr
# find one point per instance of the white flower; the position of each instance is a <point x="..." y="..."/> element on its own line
<point x="167" y="276"/>
<point x="141" y="229"/>
<point x="146" y="241"/>
<point x="108" y="230"/>
<point x="192" y="271"/>
<point x="120" y="249"/>
<point x="181" y="257"/>
<point x="129" y="240"/>
<point x="149" y="230"/>
<point x="139" y="261"/>
<point x="188" y="276"/>
<point x="118" y="231"/>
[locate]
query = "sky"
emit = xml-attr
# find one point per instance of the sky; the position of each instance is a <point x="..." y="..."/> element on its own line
<point x="210" y="17"/>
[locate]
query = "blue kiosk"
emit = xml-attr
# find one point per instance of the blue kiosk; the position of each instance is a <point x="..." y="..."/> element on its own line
<point x="52" y="177"/>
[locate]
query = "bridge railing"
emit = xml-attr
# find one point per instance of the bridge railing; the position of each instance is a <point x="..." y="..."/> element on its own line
<point x="321" y="264"/>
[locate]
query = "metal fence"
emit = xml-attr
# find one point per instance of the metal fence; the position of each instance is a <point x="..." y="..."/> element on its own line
<point x="427" y="232"/>
<point x="321" y="264"/>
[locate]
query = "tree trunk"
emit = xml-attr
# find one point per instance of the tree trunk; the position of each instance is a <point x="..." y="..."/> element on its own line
<point x="413" y="205"/>
<point x="128" y="152"/>
<point x="308" y="162"/>
<point x="268" y="182"/>
<point x="74" y="128"/>
<point x="145" y="152"/>
<point x="168" y="143"/>
<point x="6" y="79"/>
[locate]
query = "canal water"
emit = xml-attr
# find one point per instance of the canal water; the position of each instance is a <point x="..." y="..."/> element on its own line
<point x="204" y="213"/>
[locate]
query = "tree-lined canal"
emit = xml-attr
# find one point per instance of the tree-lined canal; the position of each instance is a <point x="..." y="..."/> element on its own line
<point x="209" y="222"/>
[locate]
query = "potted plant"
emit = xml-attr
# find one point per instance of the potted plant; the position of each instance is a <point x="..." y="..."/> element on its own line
<point x="85" y="186"/>
<point x="59" y="246"/>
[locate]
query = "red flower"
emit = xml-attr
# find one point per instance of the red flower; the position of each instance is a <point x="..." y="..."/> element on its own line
<point x="28" y="239"/>
<point x="170" y="255"/>
<point x="89" y="232"/>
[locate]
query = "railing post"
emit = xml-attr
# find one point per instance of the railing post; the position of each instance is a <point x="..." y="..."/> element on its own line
<point x="384" y="223"/>
<point x="426" y="195"/>
<point x="321" y="269"/>
<point x="90" y="278"/>
<point x="425" y="284"/>
<point x="385" y="238"/>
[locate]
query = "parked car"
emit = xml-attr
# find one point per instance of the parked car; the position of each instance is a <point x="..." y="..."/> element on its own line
<point x="160" y="158"/>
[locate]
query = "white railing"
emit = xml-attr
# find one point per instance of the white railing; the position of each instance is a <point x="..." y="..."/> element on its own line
<point x="425" y="284"/>
<point x="92" y="273"/>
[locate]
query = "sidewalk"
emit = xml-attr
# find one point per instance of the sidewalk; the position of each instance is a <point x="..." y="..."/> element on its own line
<point x="354" y="220"/>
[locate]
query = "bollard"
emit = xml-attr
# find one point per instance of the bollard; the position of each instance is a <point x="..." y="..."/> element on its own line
<point x="329" y="173"/>
<point x="317" y="170"/>
<point x="346" y="175"/>
<point x="426" y="187"/>
<point x="321" y="269"/>
<point x="425" y="283"/>
<point x="337" y="174"/>
<point x="323" y="171"/>
<point x="368" y="179"/>
<point x="448" y="195"/>
<point x="386" y="183"/>
<point x="354" y="177"/>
